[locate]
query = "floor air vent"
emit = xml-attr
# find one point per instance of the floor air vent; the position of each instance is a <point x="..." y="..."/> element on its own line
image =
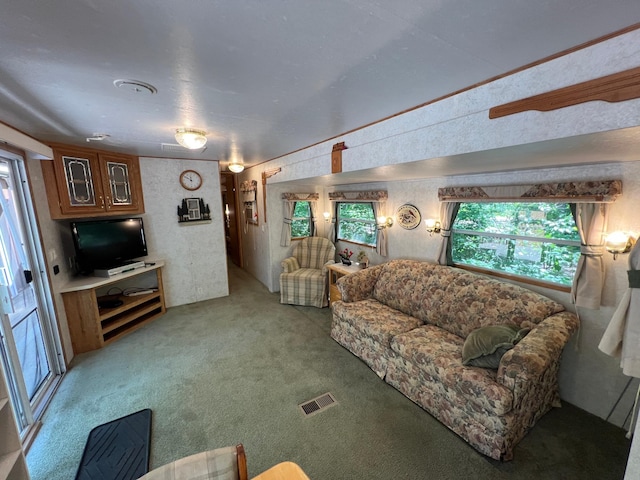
<point x="317" y="404"/>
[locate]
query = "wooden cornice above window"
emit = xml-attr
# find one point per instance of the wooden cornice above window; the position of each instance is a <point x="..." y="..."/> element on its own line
<point x="618" y="87"/>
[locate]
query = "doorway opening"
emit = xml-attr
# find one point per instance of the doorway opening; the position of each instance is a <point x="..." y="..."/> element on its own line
<point x="229" y="189"/>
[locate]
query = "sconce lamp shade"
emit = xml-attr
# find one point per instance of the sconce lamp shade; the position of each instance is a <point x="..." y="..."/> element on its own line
<point x="432" y="225"/>
<point x="619" y="242"/>
<point x="235" y="166"/>
<point x="191" y="138"/>
<point x="384" y="222"/>
<point x="327" y="216"/>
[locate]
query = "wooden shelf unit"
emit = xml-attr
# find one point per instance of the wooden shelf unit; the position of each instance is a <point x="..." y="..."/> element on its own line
<point x="336" y="271"/>
<point x="92" y="327"/>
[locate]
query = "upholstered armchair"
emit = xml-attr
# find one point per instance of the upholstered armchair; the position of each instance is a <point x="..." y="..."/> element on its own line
<point x="226" y="463"/>
<point x="304" y="279"/>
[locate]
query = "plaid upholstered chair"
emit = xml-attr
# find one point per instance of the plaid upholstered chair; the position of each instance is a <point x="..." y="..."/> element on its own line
<point x="226" y="463"/>
<point x="304" y="280"/>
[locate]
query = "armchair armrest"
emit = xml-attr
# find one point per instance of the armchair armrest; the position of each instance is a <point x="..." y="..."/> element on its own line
<point x="290" y="264"/>
<point x="523" y="369"/>
<point x="359" y="285"/>
<point x="325" y="267"/>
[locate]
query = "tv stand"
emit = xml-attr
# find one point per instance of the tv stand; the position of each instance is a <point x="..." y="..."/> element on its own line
<point x="92" y="327"/>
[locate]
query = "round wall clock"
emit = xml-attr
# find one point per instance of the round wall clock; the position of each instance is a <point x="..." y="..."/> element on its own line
<point x="408" y="216"/>
<point x="191" y="180"/>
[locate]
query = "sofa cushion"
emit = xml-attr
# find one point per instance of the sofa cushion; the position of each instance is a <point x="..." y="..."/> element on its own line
<point x="438" y="355"/>
<point x="375" y="320"/>
<point x="412" y="287"/>
<point x="485" y="346"/>
<point x="472" y="301"/>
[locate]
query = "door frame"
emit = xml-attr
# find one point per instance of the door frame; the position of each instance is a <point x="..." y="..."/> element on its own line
<point x="47" y="307"/>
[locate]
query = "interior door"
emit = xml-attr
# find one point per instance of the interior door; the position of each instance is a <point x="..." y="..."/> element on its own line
<point x="28" y="351"/>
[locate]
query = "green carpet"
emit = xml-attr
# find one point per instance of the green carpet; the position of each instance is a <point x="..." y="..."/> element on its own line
<point x="233" y="370"/>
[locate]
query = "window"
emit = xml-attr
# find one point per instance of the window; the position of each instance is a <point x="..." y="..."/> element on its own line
<point x="356" y="222"/>
<point x="301" y="221"/>
<point x="531" y="240"/>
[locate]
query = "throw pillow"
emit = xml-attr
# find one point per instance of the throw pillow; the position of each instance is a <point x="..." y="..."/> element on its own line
<point x="485" y="346"/>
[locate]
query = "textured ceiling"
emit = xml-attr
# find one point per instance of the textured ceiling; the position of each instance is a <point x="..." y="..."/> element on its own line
<point x="264" y="78"/>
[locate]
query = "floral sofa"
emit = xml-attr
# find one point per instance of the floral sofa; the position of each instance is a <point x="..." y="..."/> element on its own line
<point x="410" y="321"/>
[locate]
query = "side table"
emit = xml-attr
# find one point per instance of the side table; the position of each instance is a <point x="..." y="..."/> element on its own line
<point x="336" y="271"/>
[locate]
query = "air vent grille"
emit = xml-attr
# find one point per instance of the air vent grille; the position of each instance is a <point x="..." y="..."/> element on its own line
<point x="318" y="404"/>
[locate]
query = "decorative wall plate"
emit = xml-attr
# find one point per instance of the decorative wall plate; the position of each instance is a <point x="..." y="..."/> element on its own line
<point x="408" y="216"/>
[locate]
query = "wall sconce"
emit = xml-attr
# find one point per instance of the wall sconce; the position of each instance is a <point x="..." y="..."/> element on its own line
<point x="327" y="216"/>
<point x="619" y="242"/>
<point x="433" y="225"/>
<point x="384" y="222"/>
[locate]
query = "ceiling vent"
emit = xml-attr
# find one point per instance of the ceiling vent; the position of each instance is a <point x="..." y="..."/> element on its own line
<point x="135" y="86"/>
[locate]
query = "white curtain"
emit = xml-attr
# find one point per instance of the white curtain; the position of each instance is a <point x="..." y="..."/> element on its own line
<point x="379" y="209"/>
<point x="287" y="213"/>
<point x="313" y="206"/>
<point x="332" y="235"/>
<point x="591" y="220"/>
<point x="448" y="212"/>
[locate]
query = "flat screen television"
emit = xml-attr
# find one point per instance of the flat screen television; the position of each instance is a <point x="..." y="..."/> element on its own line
<point x="104" y="244"/>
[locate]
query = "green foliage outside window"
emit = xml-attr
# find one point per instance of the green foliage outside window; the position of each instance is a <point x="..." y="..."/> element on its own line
<point x="357" y="223"/>
<point x="301" y="221"/>
<point x="535" y="240"/>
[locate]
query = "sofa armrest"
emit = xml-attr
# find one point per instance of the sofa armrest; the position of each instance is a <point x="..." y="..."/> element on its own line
<point x="524" y="367"/>
<point x="359" y="285"/>
<point x="290" y="264"/>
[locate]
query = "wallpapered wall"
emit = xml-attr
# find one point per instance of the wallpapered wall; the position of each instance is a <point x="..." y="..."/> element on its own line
<point x="459" y="124"/>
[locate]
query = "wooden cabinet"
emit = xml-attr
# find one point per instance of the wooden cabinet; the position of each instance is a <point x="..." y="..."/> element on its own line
<point x="92" y="183"/>
<point x="337" y="271"/>
<point x="92" y="326"/>
<point x="12" y="462"/>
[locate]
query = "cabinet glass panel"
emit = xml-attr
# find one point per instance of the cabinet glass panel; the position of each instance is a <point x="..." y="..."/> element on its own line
<point x="79" y="181"/>
<point x="119" y="183"/>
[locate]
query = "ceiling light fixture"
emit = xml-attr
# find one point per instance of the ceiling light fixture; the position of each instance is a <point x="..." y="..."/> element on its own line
<point x="236" y="166"/>
<point x="191" y="138"/>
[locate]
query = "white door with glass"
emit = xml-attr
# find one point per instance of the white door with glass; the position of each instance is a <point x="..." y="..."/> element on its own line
<point x="28" y="347"/>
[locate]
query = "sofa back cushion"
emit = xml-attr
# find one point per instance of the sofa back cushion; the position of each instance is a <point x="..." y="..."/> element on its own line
<point x="457" y="300"/>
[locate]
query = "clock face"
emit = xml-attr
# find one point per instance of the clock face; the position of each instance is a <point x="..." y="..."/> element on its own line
<point x="190" y="179"/>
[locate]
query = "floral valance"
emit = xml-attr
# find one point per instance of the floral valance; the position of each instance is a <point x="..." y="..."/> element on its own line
<point x="604" y="191"/>
<point x="300" y="196"/>
<point x="364" y="196"/>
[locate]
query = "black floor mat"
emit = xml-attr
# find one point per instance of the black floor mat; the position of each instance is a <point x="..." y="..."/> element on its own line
<point x="118" y="450"/>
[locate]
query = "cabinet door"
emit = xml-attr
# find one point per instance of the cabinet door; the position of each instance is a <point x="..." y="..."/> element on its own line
<point x="79" y="183"/>
<point x="121" y="183"/>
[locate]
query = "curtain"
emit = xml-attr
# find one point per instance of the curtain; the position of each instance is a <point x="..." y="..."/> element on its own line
<point x="332" y="235"/>
<point x="379" y="209"/>
<point x="448" y="212"/>
<point x="591" y="220"/>
<point x="287" y="213"/>
<point x="313" y="207"/>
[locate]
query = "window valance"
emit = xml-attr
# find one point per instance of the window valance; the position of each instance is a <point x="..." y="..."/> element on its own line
<point x="300" y="196"/>
<point x="364" y="196"/>
<point x="249" y="190"/>
<point x="601" y="191"/>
